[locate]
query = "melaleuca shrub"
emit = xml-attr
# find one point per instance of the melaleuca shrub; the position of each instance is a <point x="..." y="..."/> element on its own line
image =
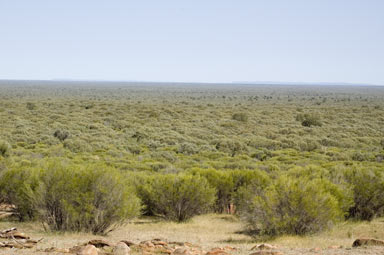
<point x="290" y="206"/>
<point x="85" y="198"/>
<point x="18" y="185"/>
<point x="178" y="197"/>
<point x="368" y="193"/>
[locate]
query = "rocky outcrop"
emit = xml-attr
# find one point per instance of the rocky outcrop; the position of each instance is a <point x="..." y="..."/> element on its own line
<point x="367" y="242"/>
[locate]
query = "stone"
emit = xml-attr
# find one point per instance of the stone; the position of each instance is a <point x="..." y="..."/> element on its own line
<point x="99" y="243"/>
<point x="16" y="234"/>
<point x="121" y="248"/>
<point x="367" y="242"/>
<point x="266" y="252"/>
<point x="55" y="249"/>
<point x="88" y="250"/>
<point x="127" y="242"/>
<point x="263" y="246"/>
<point x="180" y="251"/>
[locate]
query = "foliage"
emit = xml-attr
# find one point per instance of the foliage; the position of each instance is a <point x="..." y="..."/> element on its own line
<point x="5" y="149"/>
<point x="61" y="134"/>
<point x="368" y="189"/>
<point x="240" y="116"/>
<point x="309" y="119"/>
<point x="92" y="198"/>
<point x="291" y="206"/>
<point x="178" y="197"/>
<point x="18" y="186"/>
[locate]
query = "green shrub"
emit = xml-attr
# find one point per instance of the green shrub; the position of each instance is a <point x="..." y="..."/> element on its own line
<point x="240" y="116"/>
<point x="222" y="181"/>
<point x="368" y="189"/>
<point x="61" y="134"/>
<point x="290" y="206"/>
<point x="5" y="149"/>
<point x="92" y="198"/>
<point x="18" y="186"/>
<point x="178" y="197"/>
<point x="309" y="119"/>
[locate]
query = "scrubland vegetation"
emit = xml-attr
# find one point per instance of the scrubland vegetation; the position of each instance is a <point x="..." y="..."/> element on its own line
<point x="291" y="159"/>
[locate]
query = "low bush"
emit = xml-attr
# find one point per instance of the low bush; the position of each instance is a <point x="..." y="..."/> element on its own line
<point x="240" y="116"/>
<point x="177" y="197"/>
<point x="18" y="186"/>
<point x="290" y="206"/>
<point x="309" y="119"/>
<point x="92" y="198"/>
<point x="5" y="149"/>
<point x="368" y="190"/>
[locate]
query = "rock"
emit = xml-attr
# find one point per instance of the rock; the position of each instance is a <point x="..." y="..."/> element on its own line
<point x="217" y="251"/>
<point x="180" y="251"/>
<point x="127" y="242"/>
<point x="88" y="250"/>
<point x="55" y="249"/>
<point x="121" y="248"/>
<point x="230" y="248"/>
<point x="264" y="252"/>
<point x="147" y="243"/>
<point x="367" y="242"/>
<point x="159" y="242"/>
<point x="16" y="234"/>
<point x="334" y="247"/>
<point x="98" y="243"/>
<point x="263" y="246"/>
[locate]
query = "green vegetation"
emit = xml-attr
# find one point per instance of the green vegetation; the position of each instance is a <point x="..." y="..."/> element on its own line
<point x="290" y="159"/>
<point x="177" y="197"/>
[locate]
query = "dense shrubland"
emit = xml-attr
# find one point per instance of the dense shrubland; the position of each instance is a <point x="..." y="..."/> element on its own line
<point x="293" y="160"/>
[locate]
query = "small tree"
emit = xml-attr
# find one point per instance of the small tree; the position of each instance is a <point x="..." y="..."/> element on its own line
<point x="18" y="186"/>
<point x="368" y="189"/>
<point x="93" y="198"/>
<point x="178" y="197"/>
<point x="290" y="206"/>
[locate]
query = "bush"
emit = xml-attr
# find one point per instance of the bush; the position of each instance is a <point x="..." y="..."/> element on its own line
<point x="92" y="198"/>
<point x="290" y="206"/>
<point x="368" y="189"/>
<point x="177" y="197"/>
<point x="61" y="135"/>
<point x="309" y="119"/>
<point x="240" y="116"/>
<point x="17" y="187"/>
<point x="222" y="182"/>
<point x="5" y="149"/>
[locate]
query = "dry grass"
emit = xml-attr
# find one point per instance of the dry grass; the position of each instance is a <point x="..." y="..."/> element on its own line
<point x="211" y="231"/>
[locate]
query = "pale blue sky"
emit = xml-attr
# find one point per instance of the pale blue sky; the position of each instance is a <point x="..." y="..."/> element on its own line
<point x="196" y="40"/>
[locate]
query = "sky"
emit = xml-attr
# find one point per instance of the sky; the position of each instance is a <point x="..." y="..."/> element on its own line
<point x="193" y="41"/>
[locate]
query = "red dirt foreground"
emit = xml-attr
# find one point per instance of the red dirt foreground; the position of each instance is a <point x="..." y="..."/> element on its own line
<point x="13" y="240"/>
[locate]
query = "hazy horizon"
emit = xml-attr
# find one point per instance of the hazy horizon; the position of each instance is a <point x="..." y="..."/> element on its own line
<point x="204" y="42"/>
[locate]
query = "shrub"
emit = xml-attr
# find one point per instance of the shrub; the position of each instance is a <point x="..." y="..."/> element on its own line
<point x="368" y="189"/>
<point x="92" y="198"/>
<point x="309" y="119"/>
<point x="61" y="135"/>
<point x="290" y="206"/>
<point x="240" y="116"/>
<point x="17" y="187"/>
<point x="178" y="197"/>
<point x="5" y="149"/>
<point x="222" y="182"/>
